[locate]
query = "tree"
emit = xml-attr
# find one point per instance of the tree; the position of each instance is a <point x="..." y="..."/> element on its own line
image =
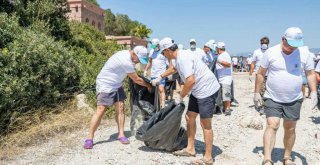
<point x="94" y="2"/>
<point x="141" y="31"/>
<point x="109" y="20"/>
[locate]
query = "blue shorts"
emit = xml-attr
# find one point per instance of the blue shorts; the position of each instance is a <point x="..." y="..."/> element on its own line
<point x="162" y="82"/>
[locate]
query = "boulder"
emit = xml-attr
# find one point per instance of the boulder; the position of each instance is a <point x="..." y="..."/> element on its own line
<point x="255" y="122"/>
<point x="82" y="103"/>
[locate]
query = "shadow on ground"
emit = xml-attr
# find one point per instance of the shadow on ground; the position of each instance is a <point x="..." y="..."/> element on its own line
<point x="277" y="155"/>
<point x="113" y="137"/>
<point x="315" y="120"/>
<point x="200" y="147"/>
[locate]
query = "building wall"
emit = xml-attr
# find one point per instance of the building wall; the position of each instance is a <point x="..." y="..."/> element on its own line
<point x="85" y="12"/>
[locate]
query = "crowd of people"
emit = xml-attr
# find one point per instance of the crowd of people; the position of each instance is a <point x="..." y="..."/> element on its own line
<point x="202" y="73"/>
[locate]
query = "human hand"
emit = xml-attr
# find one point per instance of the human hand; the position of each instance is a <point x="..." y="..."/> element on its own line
<point x="170" y="77"/>
<point x="145" y="73"/>
<point x="314" y="99"/>
<point x="156" y="81"/>
<point x="252" y="78"/>
<point x="257" y="100"/>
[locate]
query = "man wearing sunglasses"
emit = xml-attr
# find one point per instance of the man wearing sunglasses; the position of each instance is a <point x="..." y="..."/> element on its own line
<point x="202" y="83"/>
<point x="284" y="63"/>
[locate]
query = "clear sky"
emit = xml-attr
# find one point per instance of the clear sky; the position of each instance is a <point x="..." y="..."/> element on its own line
<point x="238" y="23"/>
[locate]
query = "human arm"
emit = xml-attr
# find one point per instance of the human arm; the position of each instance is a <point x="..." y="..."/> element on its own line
<point x="252" y="67"/>
<point x="312" y="80"/>
<point x="147" y="66"/>
<point x="135" y="78"/>
<point x="190" y="81"/>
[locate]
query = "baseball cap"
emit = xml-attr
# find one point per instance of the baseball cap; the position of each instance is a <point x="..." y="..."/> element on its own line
<point x="193" y="40"/>
<point x="212" y="41"/>
<point x="294" y="37"/>
<point x="221" y="45"/>
<point x="180" y="46"/>
<point x="165" y="43"/>
<point x="142" y="54"/>
<point x="154" y="43"/>
<point x="209" y="45"/>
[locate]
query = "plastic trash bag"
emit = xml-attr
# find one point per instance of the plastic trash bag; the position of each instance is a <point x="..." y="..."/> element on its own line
<point x="158" y="129"/>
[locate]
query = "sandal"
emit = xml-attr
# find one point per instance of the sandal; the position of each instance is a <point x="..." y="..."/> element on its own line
<point x="267" y="161"/>
<point x="124" y="140"/>
<point x="183" y="152"/>
<point x="202" y="161"/>
<point x="286" y="159"/>
<point x="88" y="144"/>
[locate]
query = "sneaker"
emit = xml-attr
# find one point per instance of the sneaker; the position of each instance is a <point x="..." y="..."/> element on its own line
<point x="88" y="144"/>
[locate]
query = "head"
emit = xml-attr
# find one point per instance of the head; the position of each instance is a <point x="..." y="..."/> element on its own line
<point x="264" y="42"/>
<point x="221" y="47"/>
<point x="140" y="55"/>
<point x="155" y="44"/>
<point x="168" y="48"/>
<point x="193" y="44"/>
<point x="208" y="47"/>
<point x="180" y="47"/>
<point x="292" y="39"/>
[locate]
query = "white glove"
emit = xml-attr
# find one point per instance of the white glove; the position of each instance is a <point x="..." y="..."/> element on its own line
<point x="156" y="81"/>
<point x="251" y="78"/>
<point x="170" y="77"/>
<point x="257" y="100"/>
<point x="314" y="99"/>
<point x="179" y="100"/>
<point x="145" y="73"/>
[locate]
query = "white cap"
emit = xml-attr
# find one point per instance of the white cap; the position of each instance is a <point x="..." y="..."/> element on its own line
<point x="294" y="37"/>
<point x="155" y="41"/>
<point x="142" y="53"/>
<point x="165" y="43"/>
<point x="193" y="40"/>
<point x="180" y="46"/>
<point x="210" y="45"/>
<point x="212" y="41"/>
<point x="221" y="45"/>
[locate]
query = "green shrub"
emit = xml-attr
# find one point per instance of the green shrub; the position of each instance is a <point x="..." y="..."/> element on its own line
<point x="9" y="29"/>
<point x="35" y="72"/>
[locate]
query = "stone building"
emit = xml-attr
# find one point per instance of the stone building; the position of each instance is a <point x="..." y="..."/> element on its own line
<point x="128" y="41"/>
<point x="85" y="12"/>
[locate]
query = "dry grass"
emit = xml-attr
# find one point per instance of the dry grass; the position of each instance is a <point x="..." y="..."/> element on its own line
<point x="38" y="126"/>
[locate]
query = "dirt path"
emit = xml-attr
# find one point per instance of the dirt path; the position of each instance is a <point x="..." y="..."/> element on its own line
<point x="233" y="144"/>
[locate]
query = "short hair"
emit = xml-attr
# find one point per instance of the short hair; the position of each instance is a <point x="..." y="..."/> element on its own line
<point x="264" y="39"/>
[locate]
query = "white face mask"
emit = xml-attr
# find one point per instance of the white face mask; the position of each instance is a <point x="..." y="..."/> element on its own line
<point x="264" y="46"/>
<point x="156" y="49"/>
<point x="192" y="46"/>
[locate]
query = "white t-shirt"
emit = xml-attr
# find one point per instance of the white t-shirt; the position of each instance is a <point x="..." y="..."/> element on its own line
<point x="257" y="57"/>
<point x="235" y="61"/>
<point x="206" y="83"/>
<point x="114" y="72"/>
<point x="158" y="65"/>
<point x="285" y="73"/>
<point x="224" y="73"/>
<point x="199" y="53"/>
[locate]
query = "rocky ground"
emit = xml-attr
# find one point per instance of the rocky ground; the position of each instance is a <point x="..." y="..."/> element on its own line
<point x="233" y="142"/>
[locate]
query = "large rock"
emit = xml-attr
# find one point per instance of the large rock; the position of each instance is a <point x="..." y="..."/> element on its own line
<point x="255" y="122"/>
<point x="82" y="103"/>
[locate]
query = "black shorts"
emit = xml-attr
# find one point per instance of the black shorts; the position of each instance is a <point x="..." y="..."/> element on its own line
<point x="108" y="99"/>
<point x="205" y="106"/>
<point x="288" y="111"/>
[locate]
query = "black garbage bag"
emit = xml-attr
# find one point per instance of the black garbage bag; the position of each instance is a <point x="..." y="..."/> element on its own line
<point x="159" y="129"/>
<point x="163" y="130"/>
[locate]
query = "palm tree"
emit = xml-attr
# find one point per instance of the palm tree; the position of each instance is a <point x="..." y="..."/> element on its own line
<point x="141" y="31"/>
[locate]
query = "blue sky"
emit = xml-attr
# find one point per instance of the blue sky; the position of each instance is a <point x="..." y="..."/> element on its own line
<point x="238" y="23"/>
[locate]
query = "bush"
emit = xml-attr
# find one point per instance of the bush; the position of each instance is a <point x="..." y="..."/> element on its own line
<point x="9" y="29"/>
<point x="35" y="71"/>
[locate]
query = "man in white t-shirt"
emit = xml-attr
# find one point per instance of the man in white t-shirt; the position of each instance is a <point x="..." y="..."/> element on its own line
<point x="208" y="49"/>
<point x="283" y="95"/>
<point x="235" y="63"/>
<point x="257" y="57"/>
<point x="197" y="52"/>
<point x="203" y="85"/>
<point x="224" y="71"/>
<point x="158" y="65"/>
<point x="110" y="91"/>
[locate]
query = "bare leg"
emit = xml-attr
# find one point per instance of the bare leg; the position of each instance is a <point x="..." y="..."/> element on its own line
<point x="226" y="104"/>
<point x="96" y="120"/>
<point x="289" y="137"/>
<point x="303" y="89"/>
<point x="191" y="131"/>
<point x="208" y="138"/>
<point x="162" y="96"/>
<point x="269" y="137"/>
<point x="120" y="117"/>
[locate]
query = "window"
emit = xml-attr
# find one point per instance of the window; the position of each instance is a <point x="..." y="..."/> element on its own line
<point x="93" y="23"/>
<point x="87" y="20"/>
<point x="76" y="8"/>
